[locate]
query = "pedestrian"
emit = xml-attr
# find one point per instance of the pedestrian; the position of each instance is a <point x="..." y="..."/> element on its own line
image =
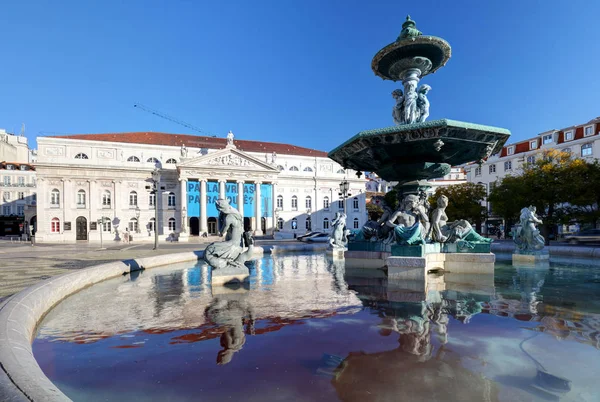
<point x="126" y="236"/>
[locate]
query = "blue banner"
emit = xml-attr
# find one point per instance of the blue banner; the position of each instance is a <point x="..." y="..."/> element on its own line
<point x="266" y="200"/>
<point x="231" y="193"/>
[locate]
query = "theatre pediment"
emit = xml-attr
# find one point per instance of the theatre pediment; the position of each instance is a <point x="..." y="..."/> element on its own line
<point x="228" y="159"/>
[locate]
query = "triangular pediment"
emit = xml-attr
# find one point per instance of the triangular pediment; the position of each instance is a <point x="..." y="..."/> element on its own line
<point x="228" y="159"/>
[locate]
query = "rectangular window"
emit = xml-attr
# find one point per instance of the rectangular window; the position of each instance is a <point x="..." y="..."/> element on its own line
<point x="340" y="204"/>
<point x="326" y="203"/>
<point x="492" y="168"/>
<point x="6" y="196"/>
<point x="355" y="204"/>
<point x="508" y="165"/>
<point x="7" y="180"/>
<point x="21" y="181"/>
<point x="151" y="200"/>
<point x="294" y="203"/>
<point x="533" y="144"/>
<point x="171" y="200"/>
<point x="478" y="171"/>
<point x="531" y="159"/>
<point x="21" y="195"/>
<point x="586" y="150"/>
<point x="588" y="130"/>
<point x="280" y="202"/>
<point x="547" y="139"/>
<point x="20" y="210"/>
<point x="510" y="150"/>
<point x="308" y="203"/>
<point x="10" y="167"/>
<point x="6" y="210"/>
<point x="569" y="135"/>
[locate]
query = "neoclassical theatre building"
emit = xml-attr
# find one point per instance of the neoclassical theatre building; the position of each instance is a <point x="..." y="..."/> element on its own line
<point x="94" y="185"/>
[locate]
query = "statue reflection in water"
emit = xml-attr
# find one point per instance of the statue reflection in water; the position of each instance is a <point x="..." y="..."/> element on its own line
<point x="229" y="311"/>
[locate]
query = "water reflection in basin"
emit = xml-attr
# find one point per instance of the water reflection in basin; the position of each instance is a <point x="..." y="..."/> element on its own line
<point x="307" y="329"/>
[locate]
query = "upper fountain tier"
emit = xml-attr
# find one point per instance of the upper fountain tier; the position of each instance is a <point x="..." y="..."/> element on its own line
<point x="412" y="50"/>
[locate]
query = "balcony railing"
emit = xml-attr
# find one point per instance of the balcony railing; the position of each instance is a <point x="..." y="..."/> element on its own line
<point x="2" y="184"/>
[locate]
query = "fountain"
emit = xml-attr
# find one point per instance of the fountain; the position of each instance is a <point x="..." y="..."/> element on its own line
<point x="417" y="238"/>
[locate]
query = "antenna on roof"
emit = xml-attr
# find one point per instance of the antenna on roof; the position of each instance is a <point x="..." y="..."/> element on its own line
<point x="22" y="133"/>
<point x="170" y="118"/>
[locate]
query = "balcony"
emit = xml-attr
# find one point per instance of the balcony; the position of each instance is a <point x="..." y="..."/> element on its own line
<point x="2" y="184"/>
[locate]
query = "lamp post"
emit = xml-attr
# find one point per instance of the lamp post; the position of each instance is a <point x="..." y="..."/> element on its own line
<point x="344" y="193"/>
<point x="101" y="224"/>
<point x="137" y="219"/>
<point x="156" y="192"/>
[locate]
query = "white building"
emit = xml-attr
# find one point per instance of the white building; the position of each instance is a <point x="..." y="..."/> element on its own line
<point x="83" y="178"/>
<point x="581" y="140"/>
<point x="17" y="184"/>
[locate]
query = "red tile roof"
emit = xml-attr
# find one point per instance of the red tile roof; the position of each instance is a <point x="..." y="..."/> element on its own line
<point x="196" y="141"/>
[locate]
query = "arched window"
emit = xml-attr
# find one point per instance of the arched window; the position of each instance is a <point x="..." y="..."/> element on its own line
<point x="106" y="199"/>
<point x="133" y="158"/>
<point x="308" y="202"/>
<point x="294" y="203"/>
<point x="280" y="167"/>
<point x="341" y="171"/>
<point x="280" y="223"/>
<point x="81" y="199"/>
<point x="326" y="223"/>
<point x="308" y="169"/>
<point x="171" y="200"/>
<point x="294" y="224"/>
<point x="55" y="198"/>
<point x="325" y="202"/>
<point x="55" y="225"/>
<point x="293" y="169"/>
<point x="133" y="225"/>
<point x="280" y="201"/>
<point x="81" y="155"/>
<point x="172" y="224"/>
<point x="355" y="223"/>
<point x="151" y="224"/>
<point x="308" y="223"/>
<point x="171" y="160"/>
<point x="133" y="199"/>
<point x="152" y="160"/>
<point x="355" y="203"/>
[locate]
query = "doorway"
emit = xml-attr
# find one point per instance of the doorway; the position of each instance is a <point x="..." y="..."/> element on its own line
<point x="247" y="224"/>
<point x="81" y="228"/>
<point x="194" y="226"/>
<point x="212" y="226"/>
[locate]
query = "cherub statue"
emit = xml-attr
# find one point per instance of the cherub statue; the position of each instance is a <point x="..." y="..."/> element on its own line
<point x="410" y="110"/>
<point x="423" y="102"/>
<point x="397" y="109"/>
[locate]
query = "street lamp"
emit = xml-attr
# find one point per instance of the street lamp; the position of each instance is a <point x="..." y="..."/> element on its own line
<point x="101" y="224"/>
<point x="344" y="193"/>
<point x="156" y="192"/>
<point x="137" y="219"/>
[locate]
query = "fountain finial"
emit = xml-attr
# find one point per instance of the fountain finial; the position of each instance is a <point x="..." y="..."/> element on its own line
<point x="409" y="29"/>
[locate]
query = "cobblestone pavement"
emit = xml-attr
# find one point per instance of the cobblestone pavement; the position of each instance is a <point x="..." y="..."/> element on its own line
<point x="22" y="265"/>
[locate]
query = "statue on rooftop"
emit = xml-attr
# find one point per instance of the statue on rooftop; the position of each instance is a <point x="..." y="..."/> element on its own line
<point x="230" y="139"/>
<point x="528" y="237"/>
<point x="184" y="151"/>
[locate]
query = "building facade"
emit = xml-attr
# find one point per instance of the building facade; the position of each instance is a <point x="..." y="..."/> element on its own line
<point x="581" y="140"/>
<point x="94" y="185"/>
<point x="17" y="184"/>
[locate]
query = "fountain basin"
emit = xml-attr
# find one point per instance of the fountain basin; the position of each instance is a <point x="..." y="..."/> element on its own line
<point x="419" y="151"/>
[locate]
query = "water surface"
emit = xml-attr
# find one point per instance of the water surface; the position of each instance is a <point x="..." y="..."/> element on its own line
<point x="307" y="329"/>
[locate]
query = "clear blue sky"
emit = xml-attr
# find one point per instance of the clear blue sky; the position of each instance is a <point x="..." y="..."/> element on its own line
<point x="289" y="71"/>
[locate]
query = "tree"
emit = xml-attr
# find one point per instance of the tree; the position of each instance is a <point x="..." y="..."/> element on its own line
<point x="464" y="202"/>
<point x="561" y="187"/>
<point x="375" y="211"/>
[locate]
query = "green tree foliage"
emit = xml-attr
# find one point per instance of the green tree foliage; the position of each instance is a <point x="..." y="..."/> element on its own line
<point x="391" y="199"/>
<point x="375" y="211"/>
<point x="562" y="188"/>
<point x="464" y="202"/>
